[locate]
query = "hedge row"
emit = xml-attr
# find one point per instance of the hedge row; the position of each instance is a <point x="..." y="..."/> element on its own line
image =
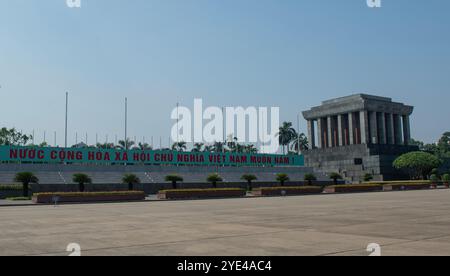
<point x="10" y="187"/>
<point x="276" y="191"/>
<point x="201" y="193"/>
<point x="88" y="194"/>
<point x="354" y="188"/>
<point x="89" y="197"/>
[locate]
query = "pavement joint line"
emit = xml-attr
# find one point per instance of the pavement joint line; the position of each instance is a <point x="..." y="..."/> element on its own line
<point x="405" y="241"/>
<point x="218" y="238"/>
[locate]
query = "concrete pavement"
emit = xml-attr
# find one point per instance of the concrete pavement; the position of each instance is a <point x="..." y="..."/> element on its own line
<point x="403" y="223"/>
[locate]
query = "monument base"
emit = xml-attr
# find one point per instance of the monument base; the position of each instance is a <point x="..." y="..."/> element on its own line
<point x="353" y="162"/>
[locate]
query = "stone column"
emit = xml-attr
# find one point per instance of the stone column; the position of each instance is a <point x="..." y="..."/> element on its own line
<point x="329" y="132"/>
<point x="398" y="130"/>
<point x="364" y="126"/>
<point x="311" y="134"/>
<point x="373" y="127"/>
<point x="382" y="128"/>
<point x="350" y="129"/>
<point x="340" y="136"/>
<point x="390" y="129"/>
<point x="319" y="133"/>
<point x="406" y="130"/>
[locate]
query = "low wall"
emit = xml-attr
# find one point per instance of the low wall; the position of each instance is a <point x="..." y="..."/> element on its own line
<point x="153" y="188"/>
<point x="12" y="193"/>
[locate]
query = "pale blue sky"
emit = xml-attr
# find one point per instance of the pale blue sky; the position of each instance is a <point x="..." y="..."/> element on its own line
<point x="287" y="53"/>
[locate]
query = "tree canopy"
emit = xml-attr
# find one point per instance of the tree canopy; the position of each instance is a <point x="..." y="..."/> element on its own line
<point x="417" y="164"/>
<point x="13" y="137"/>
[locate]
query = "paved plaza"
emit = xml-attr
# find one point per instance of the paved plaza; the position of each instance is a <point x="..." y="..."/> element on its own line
<point x="403" y="223"/>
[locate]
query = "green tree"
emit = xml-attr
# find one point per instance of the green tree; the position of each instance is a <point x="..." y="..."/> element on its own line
<point x="12" y="137"/>
<point x="335" y="177"/>
<point x="417" y="164"/>
<point x="299" y="143"/>
<point x="208" y="148"/>
<point x="219" y="147"/>
<point x="232" y="142"/>
<point x="282" y="178"/>
<point x="105" y="146"/>
<point x="214" y="179"/>
<point x="446" y="178"/>
<point x="131" y="180"/>
<point x="436" y="172"/>
<point x="286" y="134"/>
<point x="25" y="178"/>
<point x="81" y="179"/>
<point x="368" y="177"/>
<point x="144" y="146"/>
<point x="434" y="179"/>
<point x="444" y="144"/>
<point x="125" y="145"/>
<point x="250" y="149"/>
<point x="179" y="146"/>
<point x="249" y="178"/>
<point x="173" y="178"/>
<point x="309" y="177"/>
<point x="198" y="147"/>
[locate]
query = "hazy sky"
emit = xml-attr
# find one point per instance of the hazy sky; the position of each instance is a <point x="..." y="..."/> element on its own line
<point x="287" y="53"/>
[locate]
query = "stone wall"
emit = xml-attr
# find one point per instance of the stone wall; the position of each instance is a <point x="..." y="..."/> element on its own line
<point x="354" y="161"/>
<point x="153" y="188"/>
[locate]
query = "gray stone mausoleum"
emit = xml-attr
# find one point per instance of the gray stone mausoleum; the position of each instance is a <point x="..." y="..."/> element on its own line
<point x="358" y="134"/>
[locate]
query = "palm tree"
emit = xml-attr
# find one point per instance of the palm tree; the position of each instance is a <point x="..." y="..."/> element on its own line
<point x="285" y="135"/>
<point x="213" y="179"/>
<point x="232" y="143"/>
<point x="249" y="178"/>
<point x="25" y="178"/>
<point x="179" y="146"/>
<point x="105" y="146"/>
<point x="81" y="179"/>
<point x="250" y="149"/>
<point x="309" y="177"/>
<point x="174" y="179"/>
<point x="335" y="177"/>
<point x="130" y="179"/>
<point x="125" y="145"/>
<point x="198" y="147"/>
<point x="299" y="143"/>
<point x="144" y="146"/>
<point x="208" y="148"/>
<point x="219" y="147"/>
<point x="282" y="178"/>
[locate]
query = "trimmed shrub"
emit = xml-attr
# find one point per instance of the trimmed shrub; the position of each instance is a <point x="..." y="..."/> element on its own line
<point x="131" y="180"/>
<point x="81" y="179"/>
<point x="249" y="178"/>
<point x="335" y="177"/>
<point x="446" y="180"/>
<point x="214" y="179"/>
<point x="18" y="198"/>
<point x="309" y="177"/>
<point x="26" y="178"/>
<point x="434" y="179"/>
<point x="10" y="187"/>
<point x="173" y="178"/>
<point x="282" y="178"/>
<point x="368" y="177"/>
